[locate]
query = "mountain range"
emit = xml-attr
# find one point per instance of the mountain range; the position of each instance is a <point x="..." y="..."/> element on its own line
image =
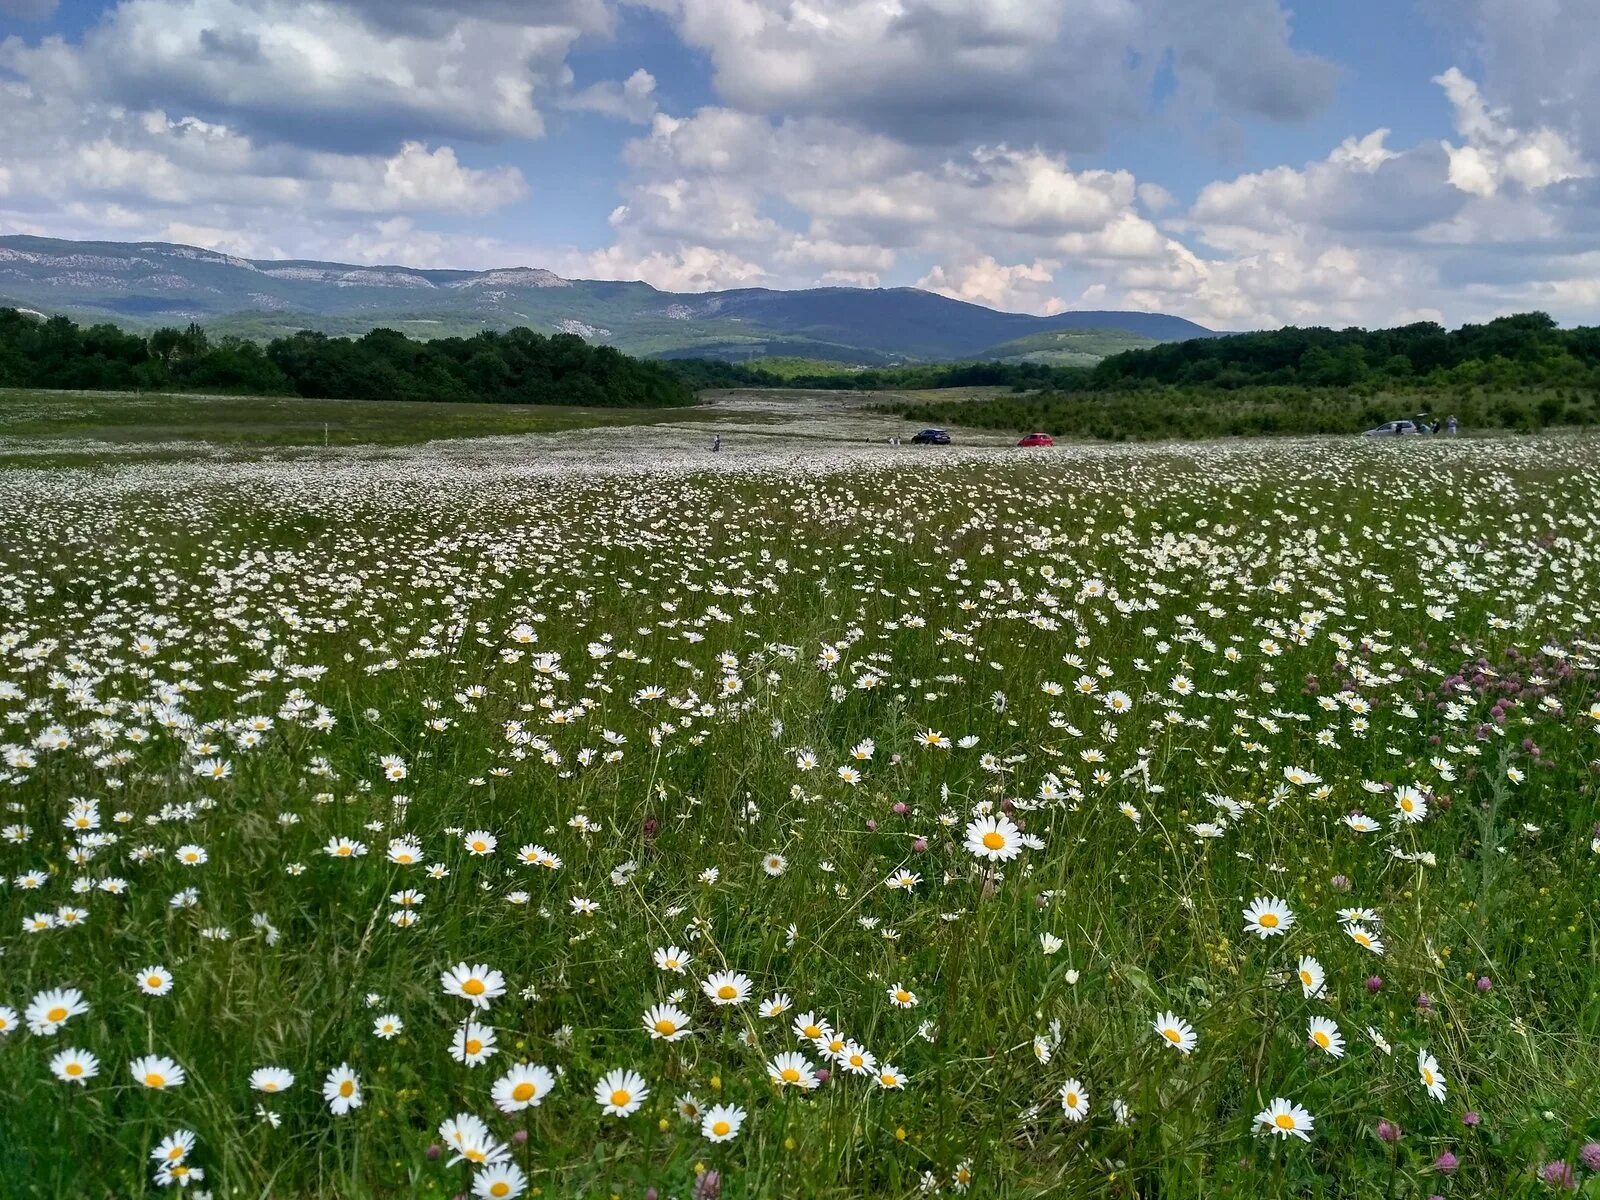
<point x="142" y="285"/>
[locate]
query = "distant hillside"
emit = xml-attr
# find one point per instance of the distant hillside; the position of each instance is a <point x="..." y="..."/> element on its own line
<point x="1072" y="347"/>
<point x="145" y="285"/>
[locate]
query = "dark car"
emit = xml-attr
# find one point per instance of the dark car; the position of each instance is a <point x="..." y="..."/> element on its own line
<point x="1037" y="439"/>
<point x="931" y="437"/>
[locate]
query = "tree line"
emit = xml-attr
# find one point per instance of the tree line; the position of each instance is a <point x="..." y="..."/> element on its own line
<point x="705" y="373"/>
<point x="1526" y="350"/>
<point x="518" y="366"/>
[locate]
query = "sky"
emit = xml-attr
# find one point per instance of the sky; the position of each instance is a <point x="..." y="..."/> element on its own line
<point x="1243" y="163"/>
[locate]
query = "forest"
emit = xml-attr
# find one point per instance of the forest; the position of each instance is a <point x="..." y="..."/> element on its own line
<point x="515" y="367"/>
<point x="1526" y="350"/>
<point x="1520" y="372"/>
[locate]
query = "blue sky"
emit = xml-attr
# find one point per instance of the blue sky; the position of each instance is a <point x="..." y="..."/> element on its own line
<point x="1245" y="163"/>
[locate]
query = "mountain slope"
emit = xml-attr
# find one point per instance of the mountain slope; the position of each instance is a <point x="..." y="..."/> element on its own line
<point x="144" y="284"/>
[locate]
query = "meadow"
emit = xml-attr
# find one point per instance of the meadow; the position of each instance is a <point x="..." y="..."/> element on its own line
<point x="813" y="821"/>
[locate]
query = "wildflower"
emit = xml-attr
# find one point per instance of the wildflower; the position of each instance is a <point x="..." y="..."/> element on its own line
<point x="1286" y="1119"/>
<point x="49" y="1011"/>
<point x="726" y="987"/>
<point x="1267" y="917"/>
<point x="791" y="1069"/>
<point x="477" y="983"/>
<point x="1176" y="1032"/>
<point x="271" y="1079"/>
<point x="721" y="1122"/>
<point x="174" y="1148"/>
<point x="470" y="1138"/>
<point x="1324" y="1034"/>
<point x="499" y="1181"/>
<point x="75" y="1066"/>
<point x="473" y="1044"/>
<point x="670" y="958"/>
<point x="157" y="1072"/>
<point x="342" y="1090"/>
<point x="388" y="1026"/>
<point x="1432" y="1078"/>
<point x="154" y="981"/>
<point x="524" y="1086"/>
<point x="1074" y="1100"/>
<point x="902" y="997"/>
<point x="667" y="1023"/>
<point x="1310" y="974"/>
<point x="619" y="1093"/>
<point x="996" y="839"/>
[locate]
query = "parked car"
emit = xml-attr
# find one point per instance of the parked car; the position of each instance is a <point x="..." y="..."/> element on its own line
<point x="931" y="437"/>
<point x="1037" y="439"/>
<point x="1397" y="429"/>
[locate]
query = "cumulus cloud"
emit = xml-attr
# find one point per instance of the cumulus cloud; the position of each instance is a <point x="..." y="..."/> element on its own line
<point x="946" y="71"/>
<point x="417" y="179"/>
<point x="326" y="73"/>
<point x="634" y="99"/>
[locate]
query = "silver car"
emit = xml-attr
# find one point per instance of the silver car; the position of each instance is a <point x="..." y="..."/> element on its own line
<point x="1397" y="429"/>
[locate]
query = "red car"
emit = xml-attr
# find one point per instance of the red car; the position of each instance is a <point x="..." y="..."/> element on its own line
<point x="1037" y="439"/>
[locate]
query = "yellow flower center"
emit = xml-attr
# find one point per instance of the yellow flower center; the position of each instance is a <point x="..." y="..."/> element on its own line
<point x="621" y="1098"/>
<point x="1072" y="1099"/>
<point x="1427" y="1076"/>
<point x="479" y="847"/>
<point x="153" y="980"/>
<point x="56" y="1014"/>
<point x="1321" y="1039"/>
<point x="813" y="1031"/>
<point x="499" y="1188"/>
<point x="1283" y="1121"/>
<point x="269" y="1086"/>
<point x="1305" y="978"/>
<point x="523" y="1092"/>
<point x="473" y="1045"/>
<point x="1269" y="920"/>
<point x="720" y="1128"/>
<point x="790" y="1075"/>
<point x="344" y="851"/>
<point x="994" y="841"/>
<point x="175" y="1154"/>
<point x="155" y="1079"/>
<point x="903" y="996"/>
<point x="473" y="987"/>
<point x="665" y="1027"/>
<point x="1172" y="1035"/>
<point x="474" y="1155"/>
<point x="402" y="858"/>
<point x="347" y="1088"/>
<point x="74" y="1068"/>
<point x="727" y="992"/>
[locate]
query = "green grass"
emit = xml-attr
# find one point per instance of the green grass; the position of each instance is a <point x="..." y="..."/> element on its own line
<point x="265" y="421"/>
<point x="634" y="668"/>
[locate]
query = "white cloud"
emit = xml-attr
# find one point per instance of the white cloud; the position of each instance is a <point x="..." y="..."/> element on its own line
<point x="324" y="72"/>
<point x="944" y="72"/>
<point x="1020" y="287"/>
<point x="1495" y="153"/>
<point x="420" y="180"/>
<point x="634" y="99"/>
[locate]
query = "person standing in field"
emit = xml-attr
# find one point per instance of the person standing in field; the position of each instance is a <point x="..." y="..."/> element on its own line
<point x="1450" y="425"/>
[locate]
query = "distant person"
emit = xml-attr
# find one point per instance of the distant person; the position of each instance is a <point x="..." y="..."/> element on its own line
<point x="716" y="443"/>
<point x="1436" y="425"/>
<point x="1450" y="425"/>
